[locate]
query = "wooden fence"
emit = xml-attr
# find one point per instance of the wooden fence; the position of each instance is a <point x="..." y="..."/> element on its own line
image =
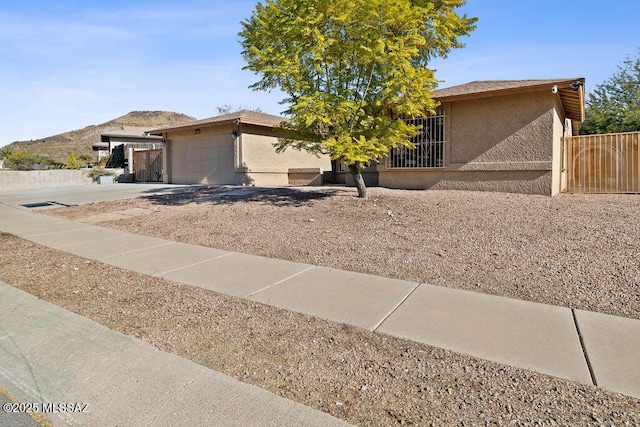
<point x="603" y="163"/>
<point x="147" y="165"/>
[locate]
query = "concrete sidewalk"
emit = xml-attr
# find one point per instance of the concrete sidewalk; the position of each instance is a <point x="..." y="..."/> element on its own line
<point x="578" y="345"/>
<point x="49" y="355"/>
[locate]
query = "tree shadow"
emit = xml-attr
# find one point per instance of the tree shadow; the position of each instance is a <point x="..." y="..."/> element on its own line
<point x="284" y="197"/>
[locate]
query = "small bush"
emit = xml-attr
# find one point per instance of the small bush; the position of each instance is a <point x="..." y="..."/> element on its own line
<point x="96" y="172"/>
<point x="22" y="160"/>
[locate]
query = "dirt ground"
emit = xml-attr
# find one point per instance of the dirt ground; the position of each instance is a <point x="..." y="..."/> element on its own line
<point x="575" y="251"/>
<point x="364" y="378"/>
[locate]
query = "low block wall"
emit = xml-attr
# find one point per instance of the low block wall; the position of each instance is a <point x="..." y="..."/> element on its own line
<point x="305" y="176"/>
<point x="525" y="182"/>
<point x="26" y="180"/>
<point x="370" y="179"/>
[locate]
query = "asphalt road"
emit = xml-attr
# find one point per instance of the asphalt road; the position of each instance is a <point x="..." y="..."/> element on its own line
<point x="14" y="419"/>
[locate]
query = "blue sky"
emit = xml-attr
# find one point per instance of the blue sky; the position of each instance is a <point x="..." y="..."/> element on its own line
<point x="68" y="64"/>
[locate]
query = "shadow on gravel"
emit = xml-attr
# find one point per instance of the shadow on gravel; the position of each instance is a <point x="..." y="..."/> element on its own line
<point x="289" y="197"/>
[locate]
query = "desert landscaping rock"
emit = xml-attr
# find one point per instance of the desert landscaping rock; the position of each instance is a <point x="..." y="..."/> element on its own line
<point x="361" y="377"/>
<point x="578" y="251"/>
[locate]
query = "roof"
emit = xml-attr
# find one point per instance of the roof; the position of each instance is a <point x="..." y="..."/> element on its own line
<point x="130" y="132"/>
<point x="571" y="96"/>
<point x="569" y="90"/>
<point x="243" y="116"/>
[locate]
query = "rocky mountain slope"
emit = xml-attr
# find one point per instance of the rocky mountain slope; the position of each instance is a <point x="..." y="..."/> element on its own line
<point x="58" y="147"/>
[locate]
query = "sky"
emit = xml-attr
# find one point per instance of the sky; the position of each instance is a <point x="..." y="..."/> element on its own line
<point x="68" y="64"/>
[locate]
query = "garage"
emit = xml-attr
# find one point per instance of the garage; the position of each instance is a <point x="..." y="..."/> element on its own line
<point x="234" y="149"/>
<point x="203" y="158"/>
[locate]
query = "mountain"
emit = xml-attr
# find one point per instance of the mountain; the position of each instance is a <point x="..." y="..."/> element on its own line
<point x="58" y="147"/>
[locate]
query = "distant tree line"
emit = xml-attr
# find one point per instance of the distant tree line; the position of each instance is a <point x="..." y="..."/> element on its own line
<point x="22" y="160"/>
<point x="614" y="106"/>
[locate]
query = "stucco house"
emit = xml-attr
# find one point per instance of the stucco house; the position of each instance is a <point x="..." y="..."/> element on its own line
<point x="492" y="135"/>
<point x="235" y="149"/>
<point x="506" y="135"/>
<point x="121" y="146"/>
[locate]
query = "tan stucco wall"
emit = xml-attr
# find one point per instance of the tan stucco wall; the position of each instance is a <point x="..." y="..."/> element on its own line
<point x="213" y="157"/>
<point x="263" y="166"/>
<point x="516" y="128"/>
<point x="503" y="143"/>
<point x="527" y="182"/>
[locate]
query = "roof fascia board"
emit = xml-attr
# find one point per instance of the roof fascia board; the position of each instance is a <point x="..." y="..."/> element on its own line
<point x="509" y="91"/>
<point x="212" y="124"/>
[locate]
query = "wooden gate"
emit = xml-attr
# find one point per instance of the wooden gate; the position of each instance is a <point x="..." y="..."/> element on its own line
<point x="147" y="165"/>
<point x="603" y="163"/>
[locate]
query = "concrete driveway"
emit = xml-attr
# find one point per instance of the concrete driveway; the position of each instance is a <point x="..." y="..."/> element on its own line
<point x="83" y="194"/>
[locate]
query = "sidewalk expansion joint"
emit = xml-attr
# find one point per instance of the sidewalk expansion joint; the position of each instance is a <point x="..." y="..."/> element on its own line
<point x="194" y="264"/>
<point x="104" y="239"/>
<point x="27" y="236"/>
<point x="395" y="308"/>
<point x="133" y="251"/>
<point x="280" y="281"/>
<point x="584" y="348"/>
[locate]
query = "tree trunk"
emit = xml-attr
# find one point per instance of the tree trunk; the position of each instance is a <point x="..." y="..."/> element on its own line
<point x="359" y="180"/>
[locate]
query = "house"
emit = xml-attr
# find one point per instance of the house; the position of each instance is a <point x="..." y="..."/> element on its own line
<point x="123" y="146"/>
<point x="235" y="149"/>
<point x="504" y="136"/>
<point x="492" y="135"/>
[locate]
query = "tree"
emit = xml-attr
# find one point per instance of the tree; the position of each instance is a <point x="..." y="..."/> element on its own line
<point x="351" y="69"/>
<point x="230" y="108"/>
<point x="22" y="160"/>
<point x="614" y="106"/>
<point x="72" y="161"/>
<point x="18" y="160"/>
<point x="85" y="158"/>
<point x="6" y="152"/>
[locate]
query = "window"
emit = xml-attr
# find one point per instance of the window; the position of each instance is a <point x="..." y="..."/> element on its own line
<point x="429" y="145"/>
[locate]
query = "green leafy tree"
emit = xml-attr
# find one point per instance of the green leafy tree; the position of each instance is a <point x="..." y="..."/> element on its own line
<point x="5" y="152"/>
<point x="22" y="160"/>
<point x="72" y="161"/>
<point x="350" y="69"/>
<point x="85" y="157"/>
<point x="614" y="106"/>
<point x="230" y="108"/>
<point x="19" y="160"/>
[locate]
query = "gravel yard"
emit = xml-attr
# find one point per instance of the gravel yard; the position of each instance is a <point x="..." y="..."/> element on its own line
<point x="361" y="377"/>
<point x="573" y="250"/>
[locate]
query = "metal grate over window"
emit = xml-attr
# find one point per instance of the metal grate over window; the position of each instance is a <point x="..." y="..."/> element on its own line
<point x="429" y="145"/>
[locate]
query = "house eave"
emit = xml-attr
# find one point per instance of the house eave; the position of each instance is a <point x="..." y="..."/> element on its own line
<point x="214" y="122"/>
<point x="570" y="91"/>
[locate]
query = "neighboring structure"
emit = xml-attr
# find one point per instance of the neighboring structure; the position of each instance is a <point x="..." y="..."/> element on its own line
<point x="491" y="135"/>
<point x="486" y="135"/>
<point x="235" y="149"/>
<point x="124" y="145"/>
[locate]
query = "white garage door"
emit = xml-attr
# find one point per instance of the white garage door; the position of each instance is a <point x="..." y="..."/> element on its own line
<point x="202" y="160"/>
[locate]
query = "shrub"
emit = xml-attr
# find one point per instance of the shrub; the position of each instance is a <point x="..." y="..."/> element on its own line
<point x="96" y="172"/>
<point x="22" y="160"/>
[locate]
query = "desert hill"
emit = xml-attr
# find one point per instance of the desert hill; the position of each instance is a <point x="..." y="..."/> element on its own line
<point x="58" y="147"/>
